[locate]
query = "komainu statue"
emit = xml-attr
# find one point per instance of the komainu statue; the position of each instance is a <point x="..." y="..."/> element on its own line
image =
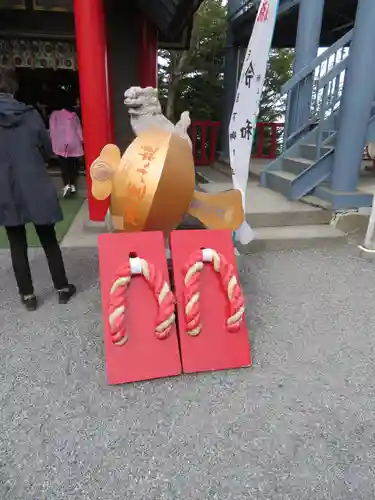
<point x="145" y="112"/>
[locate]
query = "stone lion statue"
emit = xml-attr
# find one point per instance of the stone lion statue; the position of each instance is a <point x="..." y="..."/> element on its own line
<point x="145" y="111"/>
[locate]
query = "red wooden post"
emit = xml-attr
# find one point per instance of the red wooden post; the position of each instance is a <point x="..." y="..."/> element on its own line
<point x="148" y="55"/>
<point x="260" y="137"/>
<point x="193" y="135"/>
<point x="208" y="130"/>
<point x="273" y="140"/>
<point x="197" y="127"/>
<point x="204" y="157"/>
<point x="207" y="153"/>
<point x="94" y="92"/>
<point x="213" y="142"/>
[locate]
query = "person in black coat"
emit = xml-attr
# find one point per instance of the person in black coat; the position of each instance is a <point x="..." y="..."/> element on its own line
<point x="27" y="193"/>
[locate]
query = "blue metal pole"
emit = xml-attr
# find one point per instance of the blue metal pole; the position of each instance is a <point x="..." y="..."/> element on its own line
<point x="358" y="95"/>
<point x="310" y="17"/>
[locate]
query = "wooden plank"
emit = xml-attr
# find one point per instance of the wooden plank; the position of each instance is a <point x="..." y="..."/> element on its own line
<point x="215" y="348"/>
<point x="143" y="356"/>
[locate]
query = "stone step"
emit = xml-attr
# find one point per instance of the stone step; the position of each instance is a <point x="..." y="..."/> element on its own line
<point x="314" y="201"/>
<point x="289" y="218"/>
<point x="212" y="175"/>
<point x="223" y="168"/>
<point x="292" y="237"/>
<point x="256" y="166"/>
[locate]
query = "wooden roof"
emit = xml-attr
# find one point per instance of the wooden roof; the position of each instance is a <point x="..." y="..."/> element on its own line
<point x="173" y="18"/>
<point x="339" y="16"/>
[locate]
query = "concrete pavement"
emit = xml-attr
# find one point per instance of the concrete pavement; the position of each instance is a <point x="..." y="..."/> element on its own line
<point x="300" y="425"/>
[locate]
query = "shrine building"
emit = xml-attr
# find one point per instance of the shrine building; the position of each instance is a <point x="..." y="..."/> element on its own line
<point x="96" y="49"/>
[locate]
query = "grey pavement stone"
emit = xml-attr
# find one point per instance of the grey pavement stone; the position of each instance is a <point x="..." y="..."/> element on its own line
<point x="299" y="425"/>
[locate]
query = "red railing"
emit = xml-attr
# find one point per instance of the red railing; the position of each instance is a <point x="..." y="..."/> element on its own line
<point x="205" y="139"/>
<point x="204" y="136"/>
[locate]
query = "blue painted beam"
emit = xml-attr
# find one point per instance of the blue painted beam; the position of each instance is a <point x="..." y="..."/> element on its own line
<point x="235" y="7"/>
<point x="238" y="9"/>
<point x="356" y="103"/>
<point x="312" y="177"/>
<point x="309" y="27"/>
<point x="286" y="5"/>
<point x="343" y="201"/>
<point x="306" y="70"/>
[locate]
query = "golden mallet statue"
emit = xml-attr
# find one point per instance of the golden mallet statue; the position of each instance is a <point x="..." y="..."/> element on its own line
<point x="152" y="186"/>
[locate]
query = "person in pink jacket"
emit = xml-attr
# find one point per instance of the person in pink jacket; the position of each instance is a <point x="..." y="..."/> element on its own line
<point x="66" y="137"/>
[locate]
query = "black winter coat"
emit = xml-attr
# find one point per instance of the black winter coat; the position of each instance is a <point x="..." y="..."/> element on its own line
<point x="27" y="193"/>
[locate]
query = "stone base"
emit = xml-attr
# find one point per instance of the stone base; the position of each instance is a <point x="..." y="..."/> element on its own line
<point x="95" y="227"/>
<point x="352" y="223"/>
<point x="366" y="253"/>
<point x="188" y="222"/>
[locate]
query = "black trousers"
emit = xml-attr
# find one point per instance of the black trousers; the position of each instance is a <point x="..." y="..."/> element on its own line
<point x="20" y="261"/>
<point x="69" y="170"/>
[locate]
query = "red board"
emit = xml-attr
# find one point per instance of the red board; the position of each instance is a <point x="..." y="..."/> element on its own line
<point x="143" y="356"/>
<point x="214" y="348"/>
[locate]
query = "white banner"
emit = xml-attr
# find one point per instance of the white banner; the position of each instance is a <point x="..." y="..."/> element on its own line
<point x="246" y="107"/>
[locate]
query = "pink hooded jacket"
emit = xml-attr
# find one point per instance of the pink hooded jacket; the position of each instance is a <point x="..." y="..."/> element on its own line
<point x="66" y="133"/>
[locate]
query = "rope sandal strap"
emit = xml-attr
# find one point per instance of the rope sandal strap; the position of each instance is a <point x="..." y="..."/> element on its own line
<point x="160" y="288"/>
<point x="225" y="270"/>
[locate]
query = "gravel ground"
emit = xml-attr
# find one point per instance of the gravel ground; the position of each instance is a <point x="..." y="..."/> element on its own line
<point x="299" y="425"/>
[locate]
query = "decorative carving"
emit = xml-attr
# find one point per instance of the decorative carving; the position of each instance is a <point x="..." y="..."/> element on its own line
<point x="26" y="53"/>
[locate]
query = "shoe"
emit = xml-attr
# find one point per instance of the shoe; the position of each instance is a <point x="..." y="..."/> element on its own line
<point x="30" y="302"/>
<point x="66" y="191"/>
<point x="66" y="294"/>
<point x="73" y="189"/>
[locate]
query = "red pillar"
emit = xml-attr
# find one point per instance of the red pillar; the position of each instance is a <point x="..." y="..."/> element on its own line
<point x="94" y="89"/>
<point x="148" y="55"/>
